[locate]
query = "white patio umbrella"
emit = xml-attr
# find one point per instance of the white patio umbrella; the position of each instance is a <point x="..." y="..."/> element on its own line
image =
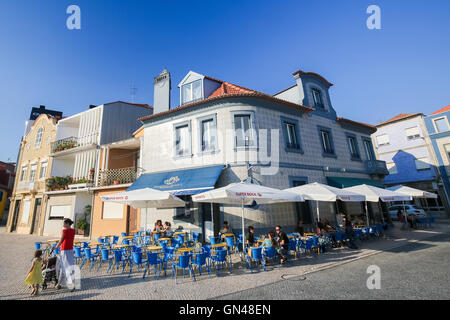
<point x="375" y="194"/>
<point x="244" y="194"/>
<point x="413" y="192"/>
<point x="145" y="198"/>
<point x="321" y="192"/>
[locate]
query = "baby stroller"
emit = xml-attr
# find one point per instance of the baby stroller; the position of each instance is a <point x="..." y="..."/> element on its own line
<point x="49" y="271"/>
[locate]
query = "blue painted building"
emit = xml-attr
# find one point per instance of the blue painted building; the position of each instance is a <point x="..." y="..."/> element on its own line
<point x="403" y="142"/>
<point x="438" y="128"/>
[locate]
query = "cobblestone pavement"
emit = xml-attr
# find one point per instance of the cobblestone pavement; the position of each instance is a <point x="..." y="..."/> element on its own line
<point x="16" y="253"/>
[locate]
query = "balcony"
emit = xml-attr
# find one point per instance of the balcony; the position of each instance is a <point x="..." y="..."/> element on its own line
<point x="71" y="143"/>
<point x="376" y="167"/>
<point x="110" y="177"/>
<point x="27" y="186"/>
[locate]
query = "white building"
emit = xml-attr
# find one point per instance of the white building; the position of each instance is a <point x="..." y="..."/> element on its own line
<point x="76" y="157"/>
<point x="220" y="128"/>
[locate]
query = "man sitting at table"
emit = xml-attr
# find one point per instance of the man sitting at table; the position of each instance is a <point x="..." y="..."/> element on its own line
<point x="226" y="229"/>
<point x="250" y="237"/>
<point x="283" y="242"/>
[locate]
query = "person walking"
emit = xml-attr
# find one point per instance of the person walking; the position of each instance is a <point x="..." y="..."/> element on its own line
<point x="34" y="275"/>
<point x="67" y="271"/>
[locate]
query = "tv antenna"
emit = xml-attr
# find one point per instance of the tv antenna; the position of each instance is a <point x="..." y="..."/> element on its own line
<point x="133" y="92"/>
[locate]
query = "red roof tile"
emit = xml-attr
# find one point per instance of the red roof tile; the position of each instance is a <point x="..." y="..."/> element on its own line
<point x="357" y="123"/>
<point x="400" y="116"/>
<point x="445" y="109"/>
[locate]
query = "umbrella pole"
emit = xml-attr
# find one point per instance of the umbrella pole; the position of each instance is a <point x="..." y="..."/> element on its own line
<point x="146" y="213"/>
<point x="318" y="214"/>
<point x="212" y="219"/>
<point x="367" y="213"/>
<point x="405" y="214"/>
<point x="243" y="235"/>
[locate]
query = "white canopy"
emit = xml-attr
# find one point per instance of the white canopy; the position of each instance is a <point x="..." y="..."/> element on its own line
<point x="415" y="193"/>
<point x="321" y="192"/>
<point x="145" y="198"/>
<point x="375" y="194"/>
<point x="244" y="194"/>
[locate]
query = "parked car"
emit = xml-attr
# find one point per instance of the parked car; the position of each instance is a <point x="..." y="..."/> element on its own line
<point x="410" y="209"/>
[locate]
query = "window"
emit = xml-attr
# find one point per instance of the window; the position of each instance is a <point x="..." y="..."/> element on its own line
<point x="326" y="141"/>
<point x="191" y="92"/>
<point x="23" y="174"/>
<point x="422" y="164"/>
<point x="112" y="210"/>
<point x="208" y="135"/>
<point x="447" y="150"/>
<point x="291" y="136"/>
<point x="392" y="168"/>
<point x="353" y="145"/>
<point x="43" y="171"/>
<point x="244" y="131"/>
<point x="368" y="149"/>
<point x="317" y="96"/>
<point x="59" y="212"/>
<point x="182" y="140"/>
<point x="38" y="141"/>
<point x="412" y="133"/>
<point x="383" y="140"/>
<point x="441" y="124"/>
<point x="32" y="173"/>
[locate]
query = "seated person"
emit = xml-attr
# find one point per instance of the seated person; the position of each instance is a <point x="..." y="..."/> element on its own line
<point x="226" y="229"/>
<point x="250" y="237"/>
<point x="167" y="231"/>
<point x="158" y="227"/>
<point x="283" y="242"/>
<point x="270" y="241"/>
<point x="299" y="228"/>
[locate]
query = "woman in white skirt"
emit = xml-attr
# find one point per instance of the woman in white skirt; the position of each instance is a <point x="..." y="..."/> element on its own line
<point x="66" y="257"/>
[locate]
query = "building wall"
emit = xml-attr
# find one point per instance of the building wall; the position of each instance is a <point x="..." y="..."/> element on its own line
<point x="404" y="152"/>
<point x="311" y="163"/>
<point x="100" y="226"/>
<point x="439" y="140"/>
<point x="32" y="155"/>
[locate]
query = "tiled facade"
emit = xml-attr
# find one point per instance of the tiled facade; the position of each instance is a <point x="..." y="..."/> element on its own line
<point x="285" y="165"/>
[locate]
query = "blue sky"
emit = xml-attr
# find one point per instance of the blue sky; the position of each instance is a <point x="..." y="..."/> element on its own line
<point x="404" y="67"/>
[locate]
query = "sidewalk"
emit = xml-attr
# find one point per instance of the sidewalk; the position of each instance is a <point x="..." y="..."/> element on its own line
<point x="118" y="286"/>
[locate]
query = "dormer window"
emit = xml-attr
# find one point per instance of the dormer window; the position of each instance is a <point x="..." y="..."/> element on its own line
<point x="191" y="92"/>
<point x="317" y="96"/>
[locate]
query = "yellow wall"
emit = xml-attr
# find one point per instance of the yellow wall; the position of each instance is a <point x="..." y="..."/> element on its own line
<point x="30" y="154"/>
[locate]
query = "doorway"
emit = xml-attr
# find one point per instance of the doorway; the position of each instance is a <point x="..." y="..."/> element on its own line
<point x="132" y="224"/>
<point x="36" y="216"/>
<point x="15" y="217"/>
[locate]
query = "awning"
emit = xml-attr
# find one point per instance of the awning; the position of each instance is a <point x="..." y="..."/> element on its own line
<point x="180" y="182"/>
<point x="339" y="182"/>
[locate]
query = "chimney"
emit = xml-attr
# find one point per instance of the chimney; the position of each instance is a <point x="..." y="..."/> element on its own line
<point x="41" y="107"/>
<point x="161" y="92"/>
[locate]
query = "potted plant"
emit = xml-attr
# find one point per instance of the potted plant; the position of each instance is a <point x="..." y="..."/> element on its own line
<point x="81" y="226"/>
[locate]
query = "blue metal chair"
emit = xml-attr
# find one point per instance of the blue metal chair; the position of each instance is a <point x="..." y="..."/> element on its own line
<point x="156" y="237"/>
<point x="78" y="254"/>
<point x="230" y="244"/>
<point x="195" y="236"/>
<point x="89" y="257"/>
<point x="136" y="259"/>
<point x="255" y="257"/>
<point x="182" y="262"/>
<point x="105" y="257"/>
<point x="119" y="258"/>
<point x="115" y="240"/>
<point x="219" y="259"/>
<point x="214" y="240"/>
<point x="199" y="260"/>
<point x="269" y="253"/>
<point x="154" y="260"/>
<point x="293" y="247"/>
